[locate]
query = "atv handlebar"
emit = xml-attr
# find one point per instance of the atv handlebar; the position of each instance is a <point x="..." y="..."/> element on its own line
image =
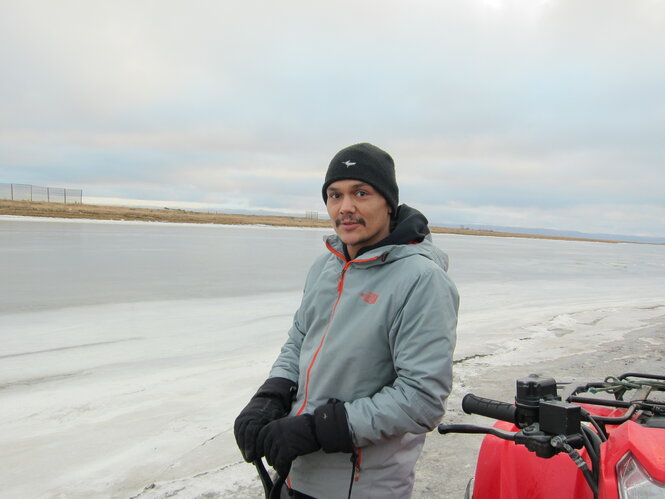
<point x="472" y="404"/>
<point x="548" y="426"/>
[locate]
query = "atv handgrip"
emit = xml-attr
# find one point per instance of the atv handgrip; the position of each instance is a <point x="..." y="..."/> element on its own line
<point x="471" y="404"/>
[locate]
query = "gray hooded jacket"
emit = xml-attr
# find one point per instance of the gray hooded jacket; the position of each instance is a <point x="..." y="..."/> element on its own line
<point x="377" y="332"/>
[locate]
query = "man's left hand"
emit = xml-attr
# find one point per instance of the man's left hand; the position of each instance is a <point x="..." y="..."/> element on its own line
<point x="282" y="440"/>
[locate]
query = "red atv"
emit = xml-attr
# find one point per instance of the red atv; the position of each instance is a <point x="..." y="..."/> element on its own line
<point x="589" y="446"/>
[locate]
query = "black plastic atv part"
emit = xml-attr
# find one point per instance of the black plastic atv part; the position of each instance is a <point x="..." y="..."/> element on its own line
<point x="655" y="422"/>
<point x="559" y="418"/>
<point x="529" y="392"/>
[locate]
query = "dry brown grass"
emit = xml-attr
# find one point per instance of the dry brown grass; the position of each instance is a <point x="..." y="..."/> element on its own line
<point x="97" y="212"/>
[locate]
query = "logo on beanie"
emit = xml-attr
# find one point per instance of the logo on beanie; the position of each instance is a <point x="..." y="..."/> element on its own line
<point x="348" y="163"/>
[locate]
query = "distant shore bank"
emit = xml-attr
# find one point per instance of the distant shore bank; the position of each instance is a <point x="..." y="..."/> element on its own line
<point x="167" y="215"/>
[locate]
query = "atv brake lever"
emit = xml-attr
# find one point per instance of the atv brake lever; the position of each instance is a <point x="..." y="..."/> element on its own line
<point x="469" y="428"/>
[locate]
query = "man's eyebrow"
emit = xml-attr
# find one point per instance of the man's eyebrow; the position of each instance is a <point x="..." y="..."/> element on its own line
<point x="359" y="185"/>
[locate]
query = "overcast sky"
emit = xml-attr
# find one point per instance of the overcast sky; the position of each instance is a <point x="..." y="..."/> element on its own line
<point x="527" y="113"/>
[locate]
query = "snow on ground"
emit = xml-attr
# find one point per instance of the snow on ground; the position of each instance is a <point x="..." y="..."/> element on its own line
<point x="128" y="349"/>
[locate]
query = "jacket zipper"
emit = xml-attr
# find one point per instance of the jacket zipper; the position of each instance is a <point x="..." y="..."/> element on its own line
<point x="340" y="288"/>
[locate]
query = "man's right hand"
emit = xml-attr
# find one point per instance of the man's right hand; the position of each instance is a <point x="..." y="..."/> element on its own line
<point x="272" y="401"/>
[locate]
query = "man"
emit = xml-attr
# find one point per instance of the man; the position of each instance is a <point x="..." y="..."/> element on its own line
<point x="367" y="366"/>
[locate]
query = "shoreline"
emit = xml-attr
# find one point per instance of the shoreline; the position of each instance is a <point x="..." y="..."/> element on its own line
<point x="168" y="215"/>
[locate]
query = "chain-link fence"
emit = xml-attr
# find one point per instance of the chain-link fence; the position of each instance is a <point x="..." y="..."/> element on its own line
<point x="26" y="192"/>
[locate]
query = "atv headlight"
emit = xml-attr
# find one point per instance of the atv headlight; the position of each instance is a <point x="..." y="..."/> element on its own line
<point x="635" y="482"/>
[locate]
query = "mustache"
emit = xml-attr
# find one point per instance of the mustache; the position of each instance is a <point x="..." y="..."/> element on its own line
<point x="358" y="220"/>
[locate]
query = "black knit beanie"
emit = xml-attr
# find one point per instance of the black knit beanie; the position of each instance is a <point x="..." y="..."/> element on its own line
<point x="368" y="163"/>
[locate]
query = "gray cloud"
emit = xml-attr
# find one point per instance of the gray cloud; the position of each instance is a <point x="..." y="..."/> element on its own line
<point x="538" y="113"/>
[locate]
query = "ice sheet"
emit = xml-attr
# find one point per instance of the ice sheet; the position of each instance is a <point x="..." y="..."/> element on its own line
<point x="107" y="390"/>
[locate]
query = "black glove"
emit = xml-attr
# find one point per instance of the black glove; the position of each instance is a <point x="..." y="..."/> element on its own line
<point x="332" y="427"/>
<point x="272" y="401"/>
<point x="283" y="440"/>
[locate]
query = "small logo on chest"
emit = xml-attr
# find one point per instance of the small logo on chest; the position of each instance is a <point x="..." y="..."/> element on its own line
<point x="369" y="298"/>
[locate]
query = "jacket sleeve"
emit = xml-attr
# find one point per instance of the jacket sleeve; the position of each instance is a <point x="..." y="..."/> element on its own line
<point x="287" y="363"/>
<point x="422" y="339"/>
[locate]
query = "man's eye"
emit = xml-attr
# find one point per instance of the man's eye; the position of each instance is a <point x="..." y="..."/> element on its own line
<point x="334" y="195"/>
<point x="361" y="194"/>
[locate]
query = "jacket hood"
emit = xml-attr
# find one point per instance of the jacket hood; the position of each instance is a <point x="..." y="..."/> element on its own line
<point x="407" y="230"/>
<point x="408" y="227"/>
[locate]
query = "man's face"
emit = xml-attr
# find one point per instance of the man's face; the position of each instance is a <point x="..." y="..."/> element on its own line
<point x="360" y="215"/>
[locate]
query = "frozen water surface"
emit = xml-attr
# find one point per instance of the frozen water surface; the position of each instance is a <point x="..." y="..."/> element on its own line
<point x="129" y="348"/>
<point x="60" y="264"/>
